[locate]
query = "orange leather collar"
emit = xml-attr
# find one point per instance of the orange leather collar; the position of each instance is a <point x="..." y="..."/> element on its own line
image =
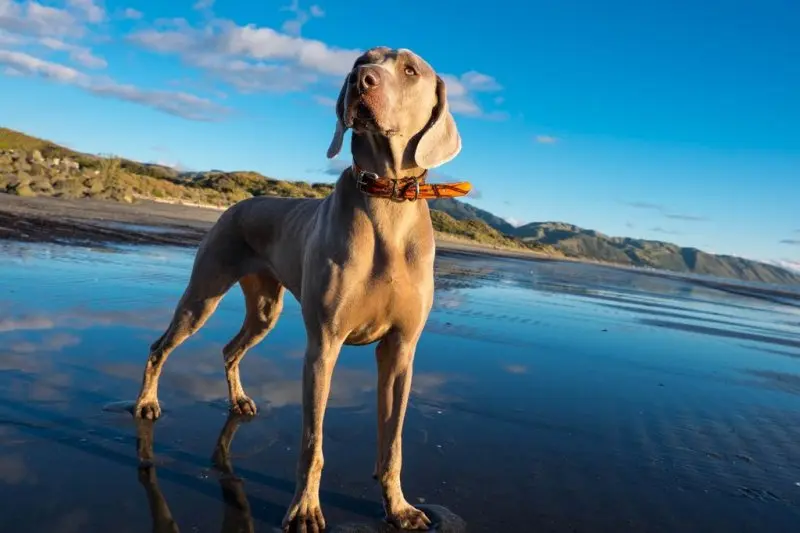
<point x="407" y="188"/>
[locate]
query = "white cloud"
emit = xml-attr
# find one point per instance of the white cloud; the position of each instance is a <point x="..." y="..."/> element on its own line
<point x="203" y="4"/>
<point x="82" y="56"/>
<point x="786" y="264"/>
<point x="266" y="43"/>
<point x="164" y="42"/>
<point x="132" y="14"/>
<point x="477" y="81"/>
<point x="301" y="17"/>
<point x="32" y="18"/>
<point x="325" y="101"/>
<point x="458" y="97"/>
<point x="546" y="139"/>
<point x="32" y="66"/>
<point x="6" y="39"/>
<point x="255" y="58"/>
<point x="236" y="53"/>
<point x="175" y="165"/>
<point x="256" y="76"/>
<point x="461" y="89"/>
<point x="89" y="9"/>
<point x="32" y="24"/>
<point x="179" y="104"/>
<point x="515" y="221"/>
<point x="249" y="58"/>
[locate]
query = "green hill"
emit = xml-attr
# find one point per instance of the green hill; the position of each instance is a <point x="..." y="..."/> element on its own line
<point x="463" y="211"/>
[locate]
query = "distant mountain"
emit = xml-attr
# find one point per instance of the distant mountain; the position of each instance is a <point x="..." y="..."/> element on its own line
<point x="580" y="243"/>
<point x="577" y="242"/>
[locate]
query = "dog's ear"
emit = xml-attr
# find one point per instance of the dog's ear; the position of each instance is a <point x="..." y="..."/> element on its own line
<point x="440" y="141"/>
<point x="338" y="134"/>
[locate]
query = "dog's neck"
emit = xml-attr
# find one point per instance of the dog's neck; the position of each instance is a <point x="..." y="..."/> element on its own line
<point x="388" y="157"/>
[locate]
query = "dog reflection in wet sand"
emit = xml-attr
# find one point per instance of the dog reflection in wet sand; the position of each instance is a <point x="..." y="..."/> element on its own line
<point x="237" y="516"/>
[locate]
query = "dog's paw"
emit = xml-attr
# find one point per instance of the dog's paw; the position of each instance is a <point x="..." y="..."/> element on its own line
<point x="244" y="406"/>
<point x="147" y="410"/>
<point x="304" y="515"/>
<point x="408" y="517"/>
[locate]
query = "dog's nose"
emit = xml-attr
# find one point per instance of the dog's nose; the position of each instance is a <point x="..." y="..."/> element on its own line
<point x="368" y="78"/>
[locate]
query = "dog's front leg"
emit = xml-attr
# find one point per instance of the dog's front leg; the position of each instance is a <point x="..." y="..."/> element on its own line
<point x="395" y="357"/>
<point x="305" y="512"/>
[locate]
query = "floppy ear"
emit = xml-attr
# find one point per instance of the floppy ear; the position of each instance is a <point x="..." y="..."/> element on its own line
<point x="338" y="134"/>
<point x="440" y="141"/>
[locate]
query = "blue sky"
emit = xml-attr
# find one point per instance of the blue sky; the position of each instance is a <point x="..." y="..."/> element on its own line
<point x="675" y="121"/>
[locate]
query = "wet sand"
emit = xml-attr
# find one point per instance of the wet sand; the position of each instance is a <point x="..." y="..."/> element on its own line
<point x="104" y="222"/>
<point x="101" y="223"/>
<point x="547" y="396"/>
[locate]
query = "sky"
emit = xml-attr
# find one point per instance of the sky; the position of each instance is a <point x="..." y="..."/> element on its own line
<point x="676" y="121"/>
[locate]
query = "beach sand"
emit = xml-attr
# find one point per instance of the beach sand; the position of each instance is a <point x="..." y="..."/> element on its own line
<point x="547" y="397"/>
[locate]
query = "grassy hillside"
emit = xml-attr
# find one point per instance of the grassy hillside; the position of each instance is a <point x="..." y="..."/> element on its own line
<point x="37" y="167"/>
<point x="15" y="140"/>
<point x="478" y="231"/>
<point x="462" y="211"/>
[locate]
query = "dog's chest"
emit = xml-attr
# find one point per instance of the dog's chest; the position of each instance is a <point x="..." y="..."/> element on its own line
<point x="393" y="300"/>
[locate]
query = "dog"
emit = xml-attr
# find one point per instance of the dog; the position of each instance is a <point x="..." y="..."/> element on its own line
<point x="359" y="261"/>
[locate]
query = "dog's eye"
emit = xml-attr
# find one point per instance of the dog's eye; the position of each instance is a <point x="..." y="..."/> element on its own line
<point x="410" y="71"/>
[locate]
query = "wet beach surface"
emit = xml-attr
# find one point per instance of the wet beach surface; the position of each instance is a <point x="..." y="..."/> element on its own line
<point x="547" y="396"/>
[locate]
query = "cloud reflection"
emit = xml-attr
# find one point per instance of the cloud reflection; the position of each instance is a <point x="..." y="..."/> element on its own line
<point x="82" y="318"/>
<point x="14" y="471"/>
<point x="273" y="382"/>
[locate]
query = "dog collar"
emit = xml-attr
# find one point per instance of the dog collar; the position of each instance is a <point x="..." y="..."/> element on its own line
<point x="412" y="188"/>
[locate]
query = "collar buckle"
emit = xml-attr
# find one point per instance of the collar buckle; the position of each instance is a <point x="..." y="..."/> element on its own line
<point x="363" y="176"/>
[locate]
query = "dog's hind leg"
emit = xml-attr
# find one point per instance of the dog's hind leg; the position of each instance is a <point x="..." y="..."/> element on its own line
<point x="207" y="286"/>
<point x="263" y="297"/>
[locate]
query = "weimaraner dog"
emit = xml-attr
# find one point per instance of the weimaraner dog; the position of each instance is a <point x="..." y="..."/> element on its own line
<point x="360" y="262"/>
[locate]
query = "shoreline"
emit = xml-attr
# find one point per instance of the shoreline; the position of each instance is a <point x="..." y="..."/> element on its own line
<point x="152" y="222"/>
<point x="95" y="222"/>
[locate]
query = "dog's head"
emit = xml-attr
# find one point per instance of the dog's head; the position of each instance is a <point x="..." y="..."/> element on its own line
<point x="395" y="93"/>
